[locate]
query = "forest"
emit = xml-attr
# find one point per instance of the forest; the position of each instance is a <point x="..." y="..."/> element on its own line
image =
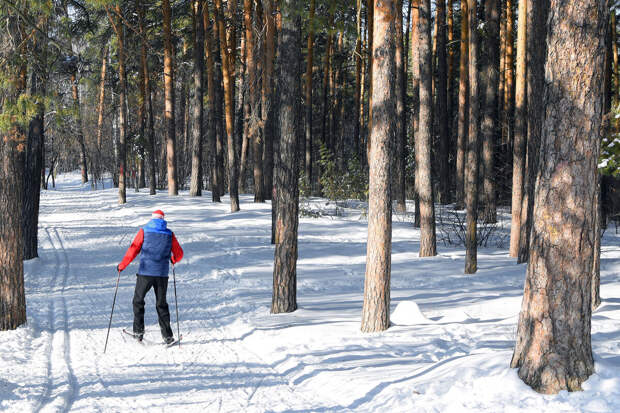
<point x="470" y="117"/>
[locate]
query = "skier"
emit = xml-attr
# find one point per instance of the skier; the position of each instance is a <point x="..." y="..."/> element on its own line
<point x="159" y="246"/>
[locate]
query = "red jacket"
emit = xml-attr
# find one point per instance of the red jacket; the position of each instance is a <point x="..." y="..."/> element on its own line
<point x="136" y="247"/>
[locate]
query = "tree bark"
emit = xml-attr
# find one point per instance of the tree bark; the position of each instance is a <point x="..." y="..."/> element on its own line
<point x="284" y="299"/>
<point x="463" y="107"/>
<point x="442" y="106"/>
<point x="423" y="175"/>
<point x="100" y="109"/>
<point x="415" y="81"/>
<point x="536" y="56"/>
<point x="211" y="104"/>
<point x="227" y="48"/>
<point x="520" y="132"/>
<point x="376" y="307"/>
<point x="399" y="154"/>
<point x="489" y="121"/>
<point x="507" y="132"/>
<point x="268" y="98"/>
<point x="357" y="113"/>
<point x="553" y="350"/>
<point x="169" y="99"/>
<point x="34" y="157"/>
<point x="471" y="174"/>
<point x="13" y="143"/>
<point x="195" y="188"/>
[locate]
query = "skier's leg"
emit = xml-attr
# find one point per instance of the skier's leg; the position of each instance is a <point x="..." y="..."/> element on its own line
<point x="142" y="287"/>
<point x="163" y="313"/>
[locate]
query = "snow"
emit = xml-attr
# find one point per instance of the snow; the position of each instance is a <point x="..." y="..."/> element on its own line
<point x="448" y="349"/>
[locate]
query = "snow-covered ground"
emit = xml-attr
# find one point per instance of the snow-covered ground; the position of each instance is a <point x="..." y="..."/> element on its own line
<point x="448" y="350"/>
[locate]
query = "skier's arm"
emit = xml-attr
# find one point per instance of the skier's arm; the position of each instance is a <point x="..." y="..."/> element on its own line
<point x="177" y="251"/>
<point x="133" y="250"/>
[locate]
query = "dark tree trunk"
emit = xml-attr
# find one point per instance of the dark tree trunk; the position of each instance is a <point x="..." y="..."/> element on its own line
<point x="376" y="308"/>
<point x="358" y="76"/>
<point x="399" y="154"/>
<point x="442" y="106"/>
<point x="536" y="57"/>
<point x="596" y="265"/>
<point x="211" y="104"/>
<point x="309" y="63"/>
<point x="13" y="143"/>
<point x="471" y="169"/>
<point x="489" y="121"/>
<point x="553" y="350"/>
<point x="32" y="167"/>
<point x="268" y="98"/>
<point x="423" y="175"/>
<point x="415" y="82"/>
<point x="195" y="188"/>
<point x="285" y="264"/>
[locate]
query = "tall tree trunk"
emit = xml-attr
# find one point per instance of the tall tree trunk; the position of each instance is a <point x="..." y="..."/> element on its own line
<point x="415" y="82"/>
<point x="211" y="102"/>
<point x="471" y="174"/>
<point x="442" y="106"/>
<point x="398" y="181"/>
<point x="489" y="121"/>
<point x="327" y="72"/>
<point x="553" y="350"/>
<point x="509" y="79"/>
<point x="376" y="308"/>
<point x="520" y="132"/>
<point x="370" y="10"/>
<point x="423" y="174"/>
<point x="148" y="121"/>
<point x="220" y="113"/>
<point x="450" y="64"/>
<point x="268" y="98"/>
<point x="463" y="107"/>
<point x="254" y="98"/>
<point x="227" y="48"/>
<point x="284" y="299"/>
<point x="195" y="188"/>
<point x="536" y="56"/>
<point x="13" y="143"/>
<point x="308" y="96"/>
<point x="34" y="156"/>
<point x="169" y="99"/>
<point x="358" y="75"/>
<point x="596" y="262"/>
<point x="100" y="109"/>
<point x="614" y="50"/>
<point x="122" y="115"/>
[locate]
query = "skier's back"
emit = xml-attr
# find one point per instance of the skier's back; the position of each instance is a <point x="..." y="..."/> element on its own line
<point x="159" y="247"/>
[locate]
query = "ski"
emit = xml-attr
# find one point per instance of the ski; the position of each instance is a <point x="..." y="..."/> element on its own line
<point x="146" y="341"/>
<point x="176" y="341"/>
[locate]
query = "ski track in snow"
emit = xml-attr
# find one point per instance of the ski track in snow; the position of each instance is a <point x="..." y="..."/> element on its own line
<point x="447" y="350"/>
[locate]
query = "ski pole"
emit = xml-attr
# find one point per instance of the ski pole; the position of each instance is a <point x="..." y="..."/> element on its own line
<point x="113" y="302"/>
<point x="176" y="304"/>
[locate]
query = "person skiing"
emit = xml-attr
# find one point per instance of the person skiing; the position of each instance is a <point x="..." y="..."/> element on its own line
<point x="159" y="247"/>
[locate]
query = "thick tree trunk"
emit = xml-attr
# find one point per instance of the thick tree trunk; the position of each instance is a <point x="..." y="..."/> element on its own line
<point x="169" y="100"/>
<point x="489" y="121"/>
<point x="376" y="308"/>
<point x="471" y="173"/>
<point x="147" y="123"/>
<point x="442" y="106"/>
<point x="520" y="132"/>
<point x="553" y="350"/>
<point x="463" y="107"/>
<point x="423" y="175"/>
<point x="13" y="143"/>
<point x="536" y="56"/>
<point x="268" y="98"/>
<point x="195" y="188"/>
<point x="227" y="48"/>
<point x="284" y="299"/>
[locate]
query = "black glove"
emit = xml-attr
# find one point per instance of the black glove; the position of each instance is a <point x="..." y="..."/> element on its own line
<point x="118" y="269"/>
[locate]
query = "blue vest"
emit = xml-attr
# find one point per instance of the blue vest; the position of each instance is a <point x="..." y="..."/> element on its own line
<point x="155" y="256"/>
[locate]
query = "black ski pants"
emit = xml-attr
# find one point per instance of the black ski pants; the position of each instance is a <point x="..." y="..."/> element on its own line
<point x="143" y="285"/>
